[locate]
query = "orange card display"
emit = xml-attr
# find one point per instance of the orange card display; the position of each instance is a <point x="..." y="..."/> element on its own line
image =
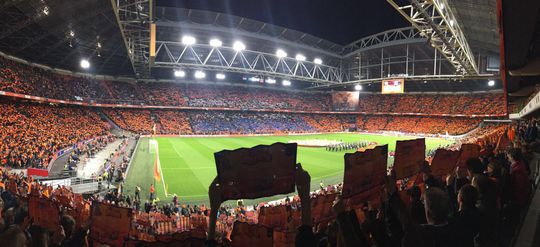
<point x="247" y="235"/>
<point x="284" y="239"/>
<point x="321" y="207"/>
<point x="110" y="224"/>
<point x="364" y="170"/>
<point x="468" y="151"/>
<point x="275" y="216"/>
<point x="409" y="157"/>
<point x="261" y="171"/>
<point x="444" y="162"/>
<point x="44" y="212"/>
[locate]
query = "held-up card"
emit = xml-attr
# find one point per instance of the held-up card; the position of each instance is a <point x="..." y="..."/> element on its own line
<point x="261" y="171"/>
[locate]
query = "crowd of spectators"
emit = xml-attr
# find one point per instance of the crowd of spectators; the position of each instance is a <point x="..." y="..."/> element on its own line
<point x="254" y="98"/>
<point x="330" y="123"/>
<point x="47" y="129"/>
<point x="24" y="79"/>
<point x="213" y="122"/>
<point x="466" y="104"/>
<point x="30" y="134"/>
<point x="138" y="121"/>
<point x="479" y="204"/>
<point x="172" y="122"/>
<point x="418" y="125"/>
<point x="20" y="78"/>
<point x="163" y="94"/>
<point x="233" y="122"/>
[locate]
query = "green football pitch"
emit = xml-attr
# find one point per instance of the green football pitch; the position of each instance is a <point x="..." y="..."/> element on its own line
<point x="187" y="163"/>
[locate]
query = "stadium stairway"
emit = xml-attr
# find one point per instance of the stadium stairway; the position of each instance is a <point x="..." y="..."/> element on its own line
<point x="115" y="129"/>
<point x="57" y="168"/>
<point x="93" y="165"/>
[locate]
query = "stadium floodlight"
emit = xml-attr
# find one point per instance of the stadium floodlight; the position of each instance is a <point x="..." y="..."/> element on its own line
<point x="199" y="74"/>
<point x="491" y="83"/>
<point x="179" y="73"/>
<point x="45" y="10"/>
<point x="281" y="53"/>
<point x="71" y="33"/>
<point x="215" y="43"/>
<point x="188" y="40"/>
<point x="239" y="46"/>
<point x="85" y="64"/>
<point x="254" y="79"/>
<point x="220" y="76"/>
<point x="286" y="83"/>
<point x="300" y="57"/>
<point x="317" y="61"/>
<point x="270" y="80"/>
<point x="452" y="23"/>
<point x="358" y="87"/>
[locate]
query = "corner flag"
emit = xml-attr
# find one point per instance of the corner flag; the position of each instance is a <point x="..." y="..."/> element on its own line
<point x="157" y="176"/>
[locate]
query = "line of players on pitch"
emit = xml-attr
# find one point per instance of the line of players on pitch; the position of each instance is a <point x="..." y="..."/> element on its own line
<point x="344" y="146"/>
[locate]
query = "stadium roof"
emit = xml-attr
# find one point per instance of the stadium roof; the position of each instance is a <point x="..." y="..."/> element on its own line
<point x="59" y="33"/>
<point x="479" y="22"/>
<point x="340" y="22"/>
<point x="40" y="31"/>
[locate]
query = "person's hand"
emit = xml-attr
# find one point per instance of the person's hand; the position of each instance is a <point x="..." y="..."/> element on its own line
<point x="449" y="179"/>
<point x="459" y="171"/>
<point x="303" y="182"/>
<point x="214" y="194"/>
<point x="339" y="205"/>
<point x="58" y="236"/>
<point x="27" y="222"/>
<point x="390" y="185"/>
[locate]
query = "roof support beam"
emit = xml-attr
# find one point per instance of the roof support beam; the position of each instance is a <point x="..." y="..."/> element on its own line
<point x="436" y="22"/>
<point x="134" y="18"/>
<point x="171" y="54"/>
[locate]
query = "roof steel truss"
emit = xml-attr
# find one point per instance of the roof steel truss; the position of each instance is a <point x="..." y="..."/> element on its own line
<point x="177" y="55"/>
<point x="435" y="20"/>
<point x="134" y="18"/>
<point x="392" y="37"/>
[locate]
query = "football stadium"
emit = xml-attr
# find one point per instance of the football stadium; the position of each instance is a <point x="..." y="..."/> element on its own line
<point x="399" y="123"/>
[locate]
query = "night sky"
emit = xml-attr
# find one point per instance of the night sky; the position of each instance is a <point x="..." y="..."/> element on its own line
<point x="339" y="21"/>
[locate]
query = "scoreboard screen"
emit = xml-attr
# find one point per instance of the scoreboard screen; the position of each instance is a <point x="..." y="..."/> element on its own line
<point x="393" y="86"/>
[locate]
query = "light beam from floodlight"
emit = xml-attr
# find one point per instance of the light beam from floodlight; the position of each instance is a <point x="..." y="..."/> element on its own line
<point x="85" y="64"/>
<point x="317" y="61"/>
<point x="358" y="87"/>
<point x="189" y="40"/>
<point x="286" y="83"/>
<point x="179" y="73"/>
<point x="199" y="74"/>
<point x="281" y="53"/>
<point x="300" y="57"/>
<point x="220" y="76"/>
<point x="216" y="43"/>
<point x="239" y="46"/>
<point x="491" y="83"/>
